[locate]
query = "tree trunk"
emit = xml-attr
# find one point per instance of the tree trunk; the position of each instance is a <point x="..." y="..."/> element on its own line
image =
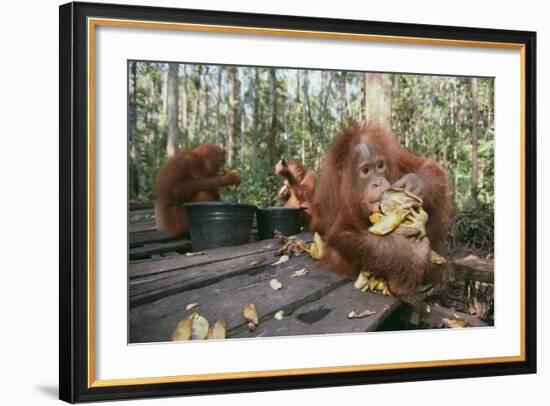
<point x="184" y="120"/>
<point x="196" y="106"/>
<point x="203" y="118"/>
<point x="288" y="132"/>
<point x="363" y="115"/>
<point x="234" y="114"/>
<point x="272" y="125"/>
<point x="218" y="106"/>
<point x="323" y="99"/>
<point x="474" y="143"/>
<point x="378" y="99"/>
<point x="243" y="122"/>
<point x="256" y="117"/>
<point x="172" y="105"/>
<point x="344" y="98"/>
<point x="133" y="130"/>
<point x="308" y="103"/>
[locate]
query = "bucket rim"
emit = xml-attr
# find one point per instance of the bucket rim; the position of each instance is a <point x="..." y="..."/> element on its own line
<point x="269" y="209"/>
<point x="219" y="204"/>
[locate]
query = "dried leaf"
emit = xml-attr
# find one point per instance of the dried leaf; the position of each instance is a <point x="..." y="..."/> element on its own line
<point x="193" y="254"/>
<point x="455" y="323"/>
<point x="275" y="284"/>
<point x="302" y="272"/>
<point x="281" y="260"/>
<point x="279" y="315"/>
<point x="365" y="313"/>
<point x="292" y="245"/>
<point x="218" y="331"/>
<point x="191" y="306"/>
<point x="437" y="259"/>
<point x="251" y="315"/>
<point x="257" y="262"/>
<point x="279" y="236"/>
<point x="182" y="332"/>
<point x="267" y="247"/>
<point x="317" y="248"/>
<point x="424" y="288"/>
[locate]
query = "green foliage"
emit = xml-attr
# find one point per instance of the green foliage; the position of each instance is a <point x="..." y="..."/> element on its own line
<point x="473" y="229"/>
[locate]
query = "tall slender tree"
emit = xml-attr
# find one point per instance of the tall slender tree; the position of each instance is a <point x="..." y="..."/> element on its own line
<point x="197" y="102"/>
<point x="184" y="107"/>
<point x="133" y="134"/>
<point x="378" y="99"/>
<point x="474" y="144"/>
<point x="272" y="124"/>
<point x="255" y="117"/>
<point x="172" y="106"/>
<point x="343" y="110"/>
<point x="218" y="106"/>
<point x="234" y="114"/>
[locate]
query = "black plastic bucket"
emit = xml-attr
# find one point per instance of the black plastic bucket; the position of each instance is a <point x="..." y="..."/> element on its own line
<point x="287" y="220"/>
<point x="219" y="224"/>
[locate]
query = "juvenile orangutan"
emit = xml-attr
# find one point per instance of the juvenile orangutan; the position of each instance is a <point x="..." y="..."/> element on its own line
<point x="189" y="176"/>
<point x="299" y="184"/>
<point x="361" y="163"/>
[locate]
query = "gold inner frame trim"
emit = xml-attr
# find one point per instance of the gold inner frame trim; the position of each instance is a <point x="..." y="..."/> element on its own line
<point x="94" y="22"/>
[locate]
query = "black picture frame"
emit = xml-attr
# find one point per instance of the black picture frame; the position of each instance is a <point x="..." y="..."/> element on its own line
<point x="74" y="385"/>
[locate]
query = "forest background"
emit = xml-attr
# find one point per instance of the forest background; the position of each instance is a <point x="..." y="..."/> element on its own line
<point x="262" y="114"/>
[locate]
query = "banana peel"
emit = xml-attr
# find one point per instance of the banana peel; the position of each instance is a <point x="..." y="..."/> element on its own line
<point x="251" y="315"/>
<point x="367" y="281"/>
<point x="225" y="170"/>
<point x="400" y="208"/>
<point x="194" y="327"/>
<point x="399" y="199"/>
<point x="317" y="248"/>
<point x="218" y="331"/>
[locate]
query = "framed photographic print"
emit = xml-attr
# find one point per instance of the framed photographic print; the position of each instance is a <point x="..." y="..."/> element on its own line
<point x="254" y="202"/>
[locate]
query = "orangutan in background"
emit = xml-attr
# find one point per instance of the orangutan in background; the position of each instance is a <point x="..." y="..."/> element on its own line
<point x="189" y="176"/>
<point x="299" y="185"/>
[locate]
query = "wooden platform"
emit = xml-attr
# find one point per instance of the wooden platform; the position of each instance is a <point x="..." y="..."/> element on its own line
<point x="163" y="280"/>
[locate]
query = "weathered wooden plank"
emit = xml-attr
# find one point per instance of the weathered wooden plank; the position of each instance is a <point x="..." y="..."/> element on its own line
<point x="224" y="300"/>
<point x="328" y="315"/>
<point x="437" y="313"/>
<point x="147" y="250"/>
<point x="142" y="225"/>
<point x="141" y="204"/>
<point x="470" y="270"/>
<point x="148" y="237"/>
<point x="142" y="213"/>
<point x="148" y="289"/>
<point x="148" y="268"/>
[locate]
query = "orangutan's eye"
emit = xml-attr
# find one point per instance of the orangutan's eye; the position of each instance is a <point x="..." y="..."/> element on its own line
<point x="381" y="165"/>
<point x="365" y="170"/>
